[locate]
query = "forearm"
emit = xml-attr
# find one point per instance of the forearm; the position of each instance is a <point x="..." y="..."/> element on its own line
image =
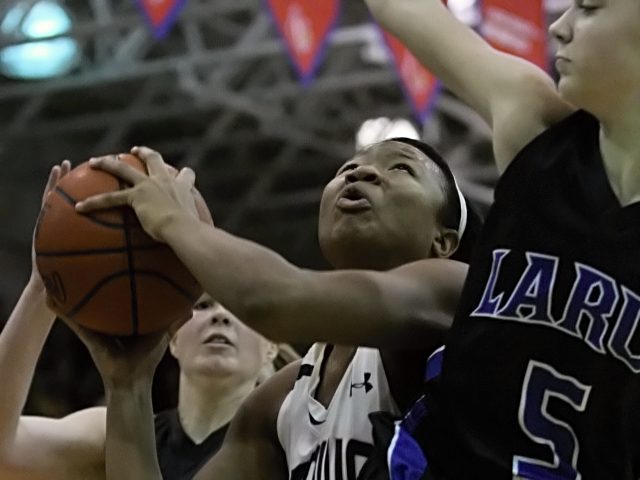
<point x="21" y="342"/>
<point x="238" y="273"/>
<point x="438" y="40"/>
<point x="130" y="451"/>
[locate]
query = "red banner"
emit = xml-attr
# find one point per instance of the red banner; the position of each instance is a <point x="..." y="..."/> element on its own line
<point x="160" y="14"/>
<point x="304" y="26"/>
<point x="420" y="86"/>
<point x="517" y="27"/>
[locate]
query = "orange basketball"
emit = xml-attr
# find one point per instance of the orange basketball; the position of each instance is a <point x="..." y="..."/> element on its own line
<point x="101" y="269"/>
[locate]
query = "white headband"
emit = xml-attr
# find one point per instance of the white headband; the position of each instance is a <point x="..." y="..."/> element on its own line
<point x="463" y="210"/>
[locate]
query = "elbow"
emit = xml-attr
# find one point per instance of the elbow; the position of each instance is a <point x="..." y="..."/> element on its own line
<point x="427" y="324"/>
<point x="433" y="328"/>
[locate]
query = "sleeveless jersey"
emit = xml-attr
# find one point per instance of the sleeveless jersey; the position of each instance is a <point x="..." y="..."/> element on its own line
<point x="540" y="376"/>
<point x="333" y="443"/>
<point x="179" y="457"/>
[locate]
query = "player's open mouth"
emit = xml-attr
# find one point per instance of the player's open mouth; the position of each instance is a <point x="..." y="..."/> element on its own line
<point x="353" y="199"/>
<point x="217" y="339"/>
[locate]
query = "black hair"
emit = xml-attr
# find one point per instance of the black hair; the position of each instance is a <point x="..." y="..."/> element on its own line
<point x="449" y="215"/>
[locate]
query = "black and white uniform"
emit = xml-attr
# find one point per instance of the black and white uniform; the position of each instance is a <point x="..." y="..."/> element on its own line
<point x="333" y="443"/>
<point x="179" y="457"/>
<point x="541" y="375"/>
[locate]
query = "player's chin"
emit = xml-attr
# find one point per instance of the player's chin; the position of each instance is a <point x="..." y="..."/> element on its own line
<point x="218" y="366"/>
<point x="569" y="88"/>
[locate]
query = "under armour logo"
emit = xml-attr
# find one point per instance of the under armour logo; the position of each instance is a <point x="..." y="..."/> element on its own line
<point x="366" y="385"/>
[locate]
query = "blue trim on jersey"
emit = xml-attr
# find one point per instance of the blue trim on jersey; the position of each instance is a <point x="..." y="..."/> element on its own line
<point x="406" y="461"/>
<point x="434" y="364"/>
<point x="405" y="458"/>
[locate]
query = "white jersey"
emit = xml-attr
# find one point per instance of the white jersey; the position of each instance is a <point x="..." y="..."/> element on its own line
<point x="333" y="443"/>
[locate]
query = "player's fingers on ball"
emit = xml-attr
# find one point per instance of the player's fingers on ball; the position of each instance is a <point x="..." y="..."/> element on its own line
<point x="65" y="167"/>
<point x="187" y="176"/>
<point x="105" y="200"/>
<point x="154" y="161"/>
<point x="111" y="164"/>
<point x="54" y="175"/>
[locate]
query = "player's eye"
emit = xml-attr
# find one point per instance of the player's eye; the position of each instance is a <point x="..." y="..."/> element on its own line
<point x="587" y="8"/>
<point x="346" y="168"/>
<point x="404" y="167"/>
<point x="203" y="305"/>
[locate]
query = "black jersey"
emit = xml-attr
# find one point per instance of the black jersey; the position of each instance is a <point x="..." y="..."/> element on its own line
<point x="179" y="457"/>
<point x="540" y="377"/>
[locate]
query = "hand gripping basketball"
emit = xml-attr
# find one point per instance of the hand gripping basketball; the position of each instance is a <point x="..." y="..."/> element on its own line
<point x="100" y="268"/>
<point x="156" y="198"/>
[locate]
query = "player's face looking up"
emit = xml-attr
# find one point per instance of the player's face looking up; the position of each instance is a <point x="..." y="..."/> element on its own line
<point x="383" y="209"/>
<point x="214" y="343"/>
<point x="598" y="54"/>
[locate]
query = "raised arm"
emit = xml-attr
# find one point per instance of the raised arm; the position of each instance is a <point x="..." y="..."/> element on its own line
<point x="127" y="366"/>
<point x="31" y="447"/>
<point x="516" y="98"/>
<point x="130" y="450"/>
<point x="68" y="448"/>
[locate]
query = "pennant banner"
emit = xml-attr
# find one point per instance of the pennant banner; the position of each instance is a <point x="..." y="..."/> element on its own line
<point x="420" y="86"/>
<point x="161" y="14"/>
<point x="517" y="27"/>
<point x="305" y="26"/>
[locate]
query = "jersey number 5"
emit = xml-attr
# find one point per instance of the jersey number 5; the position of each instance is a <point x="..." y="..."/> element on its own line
<point x="541" y="383"/>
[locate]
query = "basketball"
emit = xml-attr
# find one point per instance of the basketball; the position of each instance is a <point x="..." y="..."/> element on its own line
<point x="101" y="270"/>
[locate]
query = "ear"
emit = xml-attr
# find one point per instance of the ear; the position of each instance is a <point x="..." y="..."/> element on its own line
<point x="173" y="340"/>
<point x="445" y="243"/>
<point x="272" y="351"/>
<point x="173" y="336"/>
<point x="172" y="345"/>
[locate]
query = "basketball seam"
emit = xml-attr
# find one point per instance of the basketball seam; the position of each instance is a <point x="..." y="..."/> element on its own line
<point x="84" y="300"/>
<point x="72" y="201"/>
<point x="130" y="263"/>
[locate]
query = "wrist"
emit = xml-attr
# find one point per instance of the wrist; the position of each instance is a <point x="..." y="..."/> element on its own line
<point x="118" y="384"/>
<point x="174" y="224"/>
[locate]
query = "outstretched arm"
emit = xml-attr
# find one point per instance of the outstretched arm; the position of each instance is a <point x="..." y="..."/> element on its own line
<point x="516" y="98"/>
<point x="130" y="447"/>
<point x="69" y="448"/>
<point x="127" y="366"/>
<point x="411" y="306"/>
<point x="21" y="342"/>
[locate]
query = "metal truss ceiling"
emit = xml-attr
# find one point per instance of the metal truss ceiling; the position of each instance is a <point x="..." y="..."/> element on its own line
<point x="220" y="96"/>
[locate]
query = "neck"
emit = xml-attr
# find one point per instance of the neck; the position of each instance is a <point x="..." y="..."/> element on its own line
<point x="380" y="261"/>
<point x="204" y="409"/>
<point x="620" y="146"/>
